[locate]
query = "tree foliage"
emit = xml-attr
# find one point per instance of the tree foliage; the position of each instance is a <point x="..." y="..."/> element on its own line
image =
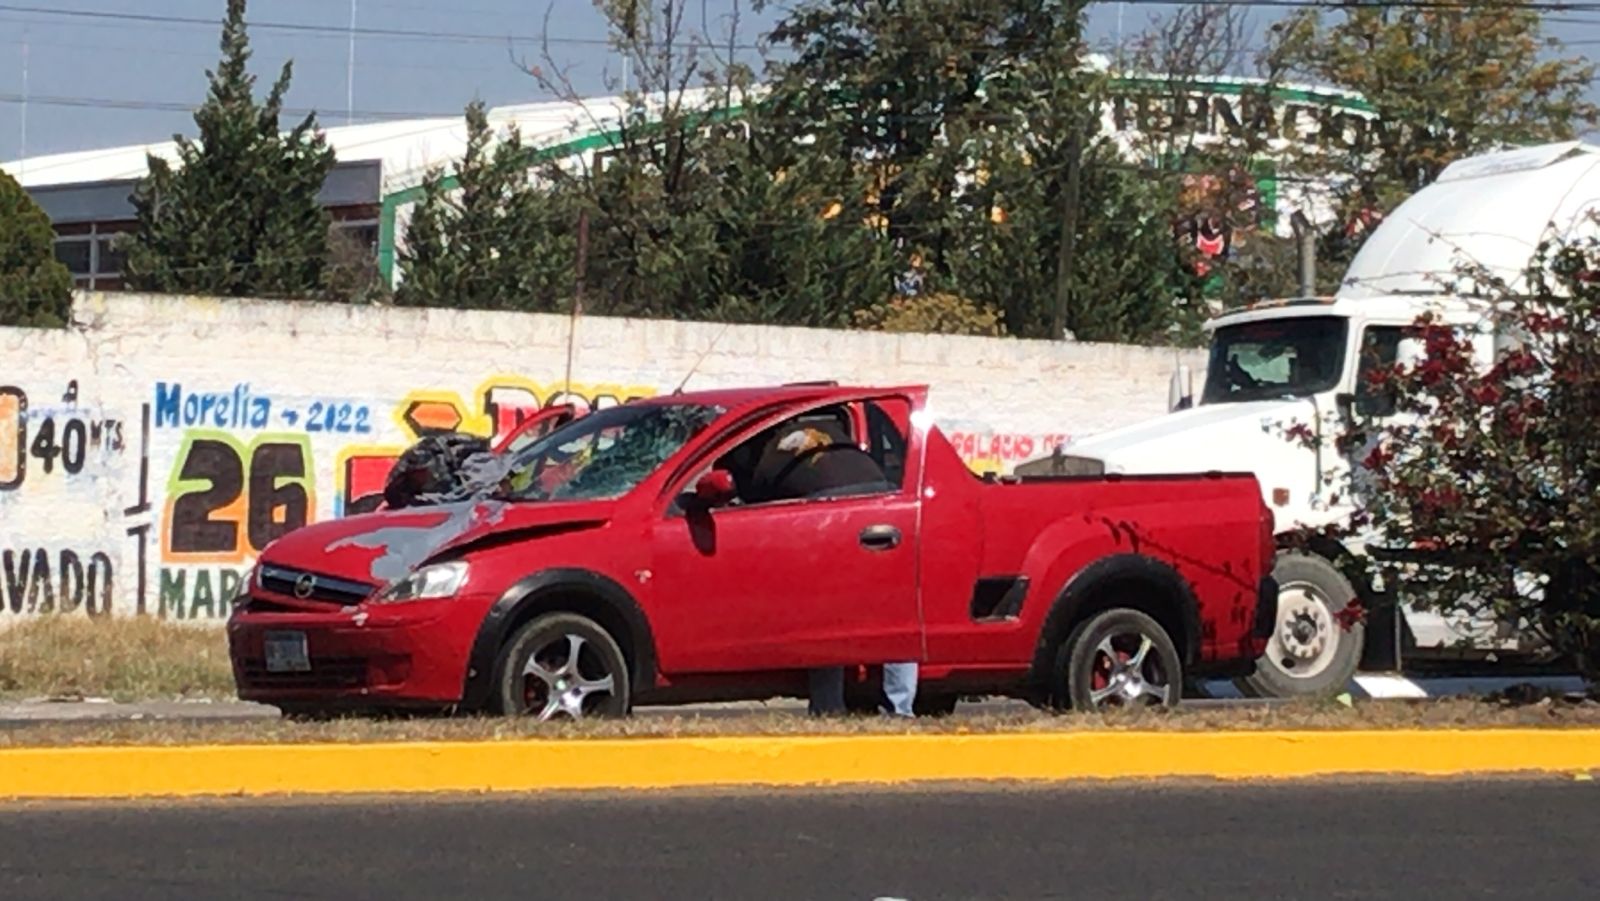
<point x="969" y="116"/>
<point x="1445" y="81"/>
<point x="239" y="215"/>
<point x="487" y="238"/>
<point x="1228" y="229"/>
<point x="940" y="314"/>
<point x="1484" y="477"/>
<point x="1128" y="281"/>
<point x="35" y="289"/>
<point x="698" y="207"/>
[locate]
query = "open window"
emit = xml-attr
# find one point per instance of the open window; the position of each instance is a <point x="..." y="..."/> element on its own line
<point x="1380" y="351"/>
<point x="843" y="450"/>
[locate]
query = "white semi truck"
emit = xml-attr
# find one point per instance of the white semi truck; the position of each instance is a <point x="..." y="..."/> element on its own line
<point x="1298" y="361"/>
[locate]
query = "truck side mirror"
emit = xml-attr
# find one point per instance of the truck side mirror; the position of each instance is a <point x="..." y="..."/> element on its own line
<point x="714" y="489"/>
<point x="1366" y="404"/>
<point x="1180" y="391"/>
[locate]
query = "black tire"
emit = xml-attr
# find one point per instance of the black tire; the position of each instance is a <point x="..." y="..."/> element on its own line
<point x="1302" y="579"/>
<point x="1082" y="668"/>
<point x="547" y="641"/>
<point x="934" y="704"/>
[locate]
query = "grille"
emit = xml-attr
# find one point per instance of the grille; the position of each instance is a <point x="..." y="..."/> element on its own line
<point x="326" y="672"/>
<point x="279" y="580"/>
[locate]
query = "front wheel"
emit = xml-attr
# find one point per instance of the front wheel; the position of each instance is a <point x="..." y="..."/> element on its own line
<point x="1118" y="658"/>
<point x="1310" y="654"/>
<point x="562" y="666"/>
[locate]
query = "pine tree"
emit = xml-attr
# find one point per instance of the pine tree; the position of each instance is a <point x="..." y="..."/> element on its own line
<point x="239" y="215"/>
<point x="35" y="289"/>
<point x="492" y="240"/>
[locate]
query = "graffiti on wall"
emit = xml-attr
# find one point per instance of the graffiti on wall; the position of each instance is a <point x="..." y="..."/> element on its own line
<point x="56" y="449"/>
<point x="58" y="437"/>
<point x="37" y="581"/>
<point x="249" y="465"/>
<point x="987" y="452"/>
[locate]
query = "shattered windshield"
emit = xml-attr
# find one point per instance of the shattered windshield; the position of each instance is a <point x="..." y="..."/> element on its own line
<point x="606" y="454"/>
<point x="1275" y="358"/>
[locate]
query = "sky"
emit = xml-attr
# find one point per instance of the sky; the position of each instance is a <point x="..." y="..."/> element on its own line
<point x="98" y="81"/>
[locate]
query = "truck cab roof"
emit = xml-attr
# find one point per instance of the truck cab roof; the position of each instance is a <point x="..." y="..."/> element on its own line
<point x="1491" y="211"/>
<point x="1391" y="308"/>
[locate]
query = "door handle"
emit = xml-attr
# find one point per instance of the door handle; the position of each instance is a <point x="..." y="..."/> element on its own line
<point x="880" y="538"/>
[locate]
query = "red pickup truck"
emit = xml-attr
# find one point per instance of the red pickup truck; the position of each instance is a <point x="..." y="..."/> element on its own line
<point x="716" y="545"/>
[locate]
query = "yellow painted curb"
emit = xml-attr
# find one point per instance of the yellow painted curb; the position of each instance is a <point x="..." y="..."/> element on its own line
<point x="660" y="763"/>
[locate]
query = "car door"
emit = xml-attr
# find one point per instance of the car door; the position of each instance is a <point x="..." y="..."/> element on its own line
<point x="789" y="583"/>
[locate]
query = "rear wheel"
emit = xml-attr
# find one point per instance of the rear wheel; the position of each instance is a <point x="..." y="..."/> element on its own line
<point x="1118" y="658"/>
<point x="562" y="666"/>
<point x="1309" y="654"/>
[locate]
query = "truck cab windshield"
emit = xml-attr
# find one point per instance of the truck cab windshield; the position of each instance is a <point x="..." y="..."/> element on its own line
<point x="1275" y="358"/>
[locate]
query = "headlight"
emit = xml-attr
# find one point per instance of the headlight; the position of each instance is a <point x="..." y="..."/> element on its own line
<point x="252" y="579"/>
<point x="441" y="580"/>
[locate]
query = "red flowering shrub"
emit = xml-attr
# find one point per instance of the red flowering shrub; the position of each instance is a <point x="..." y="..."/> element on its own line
<point x="1482" y="485"/>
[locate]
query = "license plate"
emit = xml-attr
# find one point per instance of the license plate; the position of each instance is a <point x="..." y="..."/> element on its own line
<point x="286" y="652"/>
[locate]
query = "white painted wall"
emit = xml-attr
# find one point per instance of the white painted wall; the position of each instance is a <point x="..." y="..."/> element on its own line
<point x="148" y="451"/>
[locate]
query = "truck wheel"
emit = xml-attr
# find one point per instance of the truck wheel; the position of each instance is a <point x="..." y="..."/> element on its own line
<point x="1118" y="658"/>
<point x="562" y="666"/>
<point x="1309" y="654"/>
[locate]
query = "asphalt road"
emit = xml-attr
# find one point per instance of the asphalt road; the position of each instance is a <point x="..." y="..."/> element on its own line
<point x="1401" y="840"/>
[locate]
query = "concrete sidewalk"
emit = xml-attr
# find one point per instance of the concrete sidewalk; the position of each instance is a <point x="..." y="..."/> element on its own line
<point x="46" y="710"/>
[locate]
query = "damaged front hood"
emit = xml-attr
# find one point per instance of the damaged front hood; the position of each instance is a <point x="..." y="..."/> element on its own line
<point x="380" y="548"/>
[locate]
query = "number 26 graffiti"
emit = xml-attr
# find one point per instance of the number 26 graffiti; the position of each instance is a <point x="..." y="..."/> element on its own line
<point x="227" y="500"/>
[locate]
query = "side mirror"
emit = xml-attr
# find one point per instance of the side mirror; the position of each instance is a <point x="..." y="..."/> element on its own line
<point x="1180" y="391"/>
<point x="1346" y="404"/>
<point x="714" y="489"/>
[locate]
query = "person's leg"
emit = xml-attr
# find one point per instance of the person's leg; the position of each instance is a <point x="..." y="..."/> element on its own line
<point x="826" y="692"/>
<point x="900" y="687"/>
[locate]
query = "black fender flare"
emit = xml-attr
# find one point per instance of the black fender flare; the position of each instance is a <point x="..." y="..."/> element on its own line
<point x="1118" y="568"/>
<point x="602" y="599"/>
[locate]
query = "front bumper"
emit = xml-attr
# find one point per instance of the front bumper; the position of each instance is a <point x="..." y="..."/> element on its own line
<point x="356" y="658"/>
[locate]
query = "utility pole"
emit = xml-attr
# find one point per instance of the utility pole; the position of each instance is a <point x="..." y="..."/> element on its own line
<point x="1069" y="234"/>
<point x="22" y="153"/>
<point x="582" y="276"/>
<point x="350" y="71"/>
<point x="1306" y="244"/>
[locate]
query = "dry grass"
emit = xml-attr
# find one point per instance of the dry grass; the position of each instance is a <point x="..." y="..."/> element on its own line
<point x="128" y="658"/>
<point x="1445" y="714"/>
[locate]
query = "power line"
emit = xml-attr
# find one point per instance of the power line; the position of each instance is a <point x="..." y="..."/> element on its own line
<point x="300" y="59"/>
<point x="307" y="28"/>
<point x="173" y="106"/>
<point x="707" y="42"/>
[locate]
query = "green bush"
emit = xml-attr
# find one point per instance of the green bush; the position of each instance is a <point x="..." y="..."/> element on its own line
<point x="35" y="289"/>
